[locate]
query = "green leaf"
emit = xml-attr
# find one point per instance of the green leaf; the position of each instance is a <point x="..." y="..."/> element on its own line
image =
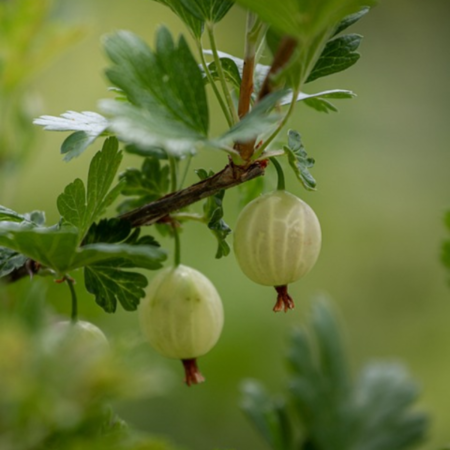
<point x="319" y="101"/>
<point x="213" y="213"/>
<point x="107" y="278"/>
<point x="384" y="394"/>
<point x="10" y="260"/>
<point x="88" y="126"/>
<point x="269" y="415"/>
<point x="299" y="160"/>
<point x="229" y="68"/>
<point x="208" y="10"/>
<point x="52" y="247"/>
<point x="256" y="122"/>
<point x="80" y="207"/>
<point x="10" y="215"/>
<point x="339" y="54"/>
<point x="165" y="88"/>
<point x="350" y="20"/>
<point x="304" y="20"/>
<point x="145" y="185"/>
<point x="194" y="24"/>
<point x="150" y="152"/>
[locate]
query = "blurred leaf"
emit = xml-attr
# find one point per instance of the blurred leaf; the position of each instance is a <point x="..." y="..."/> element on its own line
<point x="333" y="412"/>
<point x="81" y="208"/>
<point x="299" y="160"/>
<point x="10" y="260"/>
<point x="256" y="122"/>
<point x="384" y="394"/>
<point x="268" y="415"/>
<point x="339" y="54"/>
<point x="213" y="212"/>
<point x="145" y="185"/>
<point x="307" y="19"/>
<point x="10" y="215"/>
<point x="165" y="87"/>
<point x="151" y="152"/>
<point x="208" y="10"/>
<point x="107" y="279"/>
<point x="88" y="126"/>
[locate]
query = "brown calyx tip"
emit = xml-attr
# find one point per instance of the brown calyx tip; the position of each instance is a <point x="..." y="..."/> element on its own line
<point x="192" y="374"/>
<point x="284" y="300"/>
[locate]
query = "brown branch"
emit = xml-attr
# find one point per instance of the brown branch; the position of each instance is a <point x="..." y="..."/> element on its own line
<point x="281" y="58"/>
<point x="230" y="176"/>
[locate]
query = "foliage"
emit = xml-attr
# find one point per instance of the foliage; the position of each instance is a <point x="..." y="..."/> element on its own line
<point x="325" y="409"/>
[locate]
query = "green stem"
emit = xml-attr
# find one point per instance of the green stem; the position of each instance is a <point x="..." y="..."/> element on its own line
<point x="281" y="186"/>
<point x="177" y="252"/>
<point x="189" y="216"/>
<point x="226" y="91"/>
<point x="74" y="315"/>
<point x="280" y="126"/>
<point x="222" y="104"/>
<point x="186" y="169"/>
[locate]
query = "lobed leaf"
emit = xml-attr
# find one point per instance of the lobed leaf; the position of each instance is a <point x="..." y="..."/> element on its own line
<point x="145" y="185"/>
<point x="88" y="126"/>
<point x="339" y="54"/>
<point x="213" y="213"/>
<point x="165" y="88"/>
<point x="111" y="248"/>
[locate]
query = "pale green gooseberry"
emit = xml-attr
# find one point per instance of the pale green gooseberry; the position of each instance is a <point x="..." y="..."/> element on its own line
<point x="182" y="316"/>
<point x="277" y="241"/>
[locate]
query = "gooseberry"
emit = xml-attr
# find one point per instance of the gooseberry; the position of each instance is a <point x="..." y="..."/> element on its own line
<point x="182" y="317"/>
<point x="277" y="240"/>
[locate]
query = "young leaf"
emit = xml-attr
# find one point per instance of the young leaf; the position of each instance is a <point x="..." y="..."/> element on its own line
<point x="299" y="160"/>
<point x="106" y="278"/>
<point x="145" y="185"/>
<point x="339" y="54"/>
<point x="165" y="88"/>
<point x="88" y="126"/>
<point x="350" y="20"/>
<point x="213" y="211"/>
<point x="81" y="207"/>
<point x="230" y="70"/>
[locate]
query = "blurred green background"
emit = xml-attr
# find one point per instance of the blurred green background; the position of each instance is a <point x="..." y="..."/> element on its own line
<point x="382" y="166"/>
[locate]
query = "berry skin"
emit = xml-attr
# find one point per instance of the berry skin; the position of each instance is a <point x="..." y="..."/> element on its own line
<point x="277" y="241"/>
<point x="182" y="316"/>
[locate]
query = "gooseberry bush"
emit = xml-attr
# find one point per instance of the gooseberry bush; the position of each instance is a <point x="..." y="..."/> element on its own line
<point x="158" y="110"/>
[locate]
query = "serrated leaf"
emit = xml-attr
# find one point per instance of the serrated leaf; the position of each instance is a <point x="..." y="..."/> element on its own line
<point x="339" y="54"/>
<point x="213" y="213"/>
<point x="72" y="204"/>
<point x="111" y="285"/>
<point x="299" y="160"/>
<point x="81" y="207"/>
<point x="88" y="126"/>
<point x="208" y="10"/>
<point x="108" y="278"/>
<point x="168" y="99"/>
<point x="145" y="185"/>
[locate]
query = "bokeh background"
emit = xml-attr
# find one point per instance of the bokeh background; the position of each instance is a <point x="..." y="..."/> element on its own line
<point x="382" y="166"/>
